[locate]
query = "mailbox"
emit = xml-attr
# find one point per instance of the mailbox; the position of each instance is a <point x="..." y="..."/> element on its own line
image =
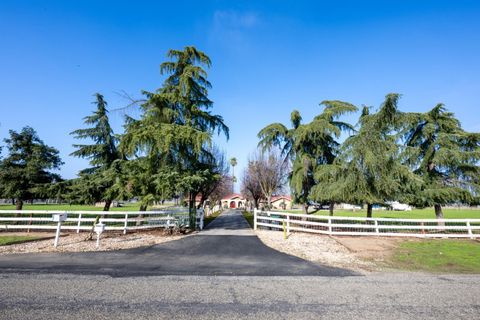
<point x="99" y="228"/>
<point x="59" y="217"/>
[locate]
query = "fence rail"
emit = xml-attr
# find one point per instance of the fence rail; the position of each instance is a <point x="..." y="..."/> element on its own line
<point x="357" y="226"/>
<point x="11" y="220"/>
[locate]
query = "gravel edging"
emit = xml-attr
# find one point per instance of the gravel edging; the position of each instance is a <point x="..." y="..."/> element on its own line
<point x="315" y="248"/>
<point x="73" y="242"/>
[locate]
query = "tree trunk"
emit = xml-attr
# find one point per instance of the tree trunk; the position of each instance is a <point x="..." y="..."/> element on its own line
<point x="438" y="211"/>
<point x="269" y="202"/>
<point x="369" y="210"/>
<point x="255" y="203"/>
<point x="192" y="211"/>
<point x="305" y="208"/>
<point x="107" y="205"/>
<point x="439" y="214"/>
<point x="143" y="207"/>
<point x="330" y="208"/>
<point x="19" y="204"/>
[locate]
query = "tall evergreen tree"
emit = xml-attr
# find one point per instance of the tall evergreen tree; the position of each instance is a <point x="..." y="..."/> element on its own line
<point x="369" y="169"/>
<point x="307" y="145"/>
<point x="176" y="126"/>
<point x="102" y="153"/>
<point x="446" y="158"/>
<point x="25" y="171"/>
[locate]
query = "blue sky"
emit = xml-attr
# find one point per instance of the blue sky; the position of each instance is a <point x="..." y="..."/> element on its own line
<point x="269" y="58"/>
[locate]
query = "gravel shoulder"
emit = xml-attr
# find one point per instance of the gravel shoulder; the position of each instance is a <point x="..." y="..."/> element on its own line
<point x="315" y="248"/>
<point x="73" y="242"/>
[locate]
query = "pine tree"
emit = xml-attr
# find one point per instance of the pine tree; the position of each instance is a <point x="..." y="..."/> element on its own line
<point x="25" y="171"/>
<point x="307" y="145"/>
<point x="176" y="126"/>
<point x="95" y="182"/>
<point x="369" y="169"/>
<point x="446" y="158"/>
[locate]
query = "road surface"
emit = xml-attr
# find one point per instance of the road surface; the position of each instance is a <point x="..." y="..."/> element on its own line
<point x="224" y="272"/>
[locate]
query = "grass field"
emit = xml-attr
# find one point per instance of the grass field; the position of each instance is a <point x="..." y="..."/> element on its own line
<point x="438" y="256"/>
<point x="427" y="213"/>
<point x="10" y="239"/>
<point x="67" y="207"/>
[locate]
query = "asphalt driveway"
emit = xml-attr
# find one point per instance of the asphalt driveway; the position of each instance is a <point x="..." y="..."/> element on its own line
<point x="228" y="247"/>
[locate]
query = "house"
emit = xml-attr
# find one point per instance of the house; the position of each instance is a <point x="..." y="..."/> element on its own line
<point x="234" y="201"/>
<point x="282" y="202"/>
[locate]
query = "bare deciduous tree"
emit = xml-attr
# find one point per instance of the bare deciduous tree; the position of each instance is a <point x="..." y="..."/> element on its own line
<point x="271" y="172"/>
<point x="250" y="185"/>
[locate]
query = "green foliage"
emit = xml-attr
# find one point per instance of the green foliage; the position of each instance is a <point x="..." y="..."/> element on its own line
<point x="369" y="168"/>
<point x="308" y="146"/>
<point x="100" y="181"/>
<point x="25" y="171"/>
<point x="171" y="141"/>
<point x="445" y="156"/>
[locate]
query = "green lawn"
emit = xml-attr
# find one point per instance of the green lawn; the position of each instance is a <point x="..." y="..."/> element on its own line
<point x="6" y="240"/>
<point x="427" y="213"/>
<point x="67" y="207"/>
<point x="249" y="217"/>
<point x="438" y="256"/>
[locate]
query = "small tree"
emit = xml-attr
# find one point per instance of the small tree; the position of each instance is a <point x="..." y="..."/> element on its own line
<point x="27" y="166"/>
<point x="272" y="173"/>
<point x="233" y="163"/>
<point x="250" y="184"/>
<point x="102" y="153"/>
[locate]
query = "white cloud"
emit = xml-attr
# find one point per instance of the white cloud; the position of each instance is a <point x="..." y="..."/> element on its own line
<point x="234" y="20"/>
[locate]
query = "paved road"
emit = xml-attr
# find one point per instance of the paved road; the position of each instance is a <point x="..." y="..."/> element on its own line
<point x="36" y="291"/>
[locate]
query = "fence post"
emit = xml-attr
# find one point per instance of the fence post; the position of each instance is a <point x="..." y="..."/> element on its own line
<point x="288" y="224"/>
<point x="199" y="219"/>
<point x="377" y="231"/>
<point x="470" y="233"/>
<point x="79" y="222"/>
<point x="125" y="224"/>
<point x="330" y="226"/>
<point x="255" y="219"/>
<point x="57" y="234"/>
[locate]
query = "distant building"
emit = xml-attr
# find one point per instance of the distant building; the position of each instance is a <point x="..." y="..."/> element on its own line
<point x="281" y="202"/>
<point x="234" y="201"/>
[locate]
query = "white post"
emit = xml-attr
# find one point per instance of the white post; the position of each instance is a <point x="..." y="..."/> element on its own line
<point x="57" y="235"/>
<point x="330" y="226"/>
<point x="98" y="239"/>
<point x="199" y="219"/>
<point x="377" y="231"/>
<point x="288" y="224"/>
<point x="255" y="219"/>
<point x="125" y="224"/>
<point x="470" y="233"/>
<point x="79" y="222"/>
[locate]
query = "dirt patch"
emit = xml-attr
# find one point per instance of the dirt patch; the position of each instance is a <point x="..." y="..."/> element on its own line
<point x="356" y="253"/>
<point x="73" y="242"/>
<point x="374" y="249"/>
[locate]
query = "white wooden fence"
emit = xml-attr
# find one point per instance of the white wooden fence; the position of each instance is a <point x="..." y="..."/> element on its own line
<point x="358" y="226"/>
<point x="84" y="220"/>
